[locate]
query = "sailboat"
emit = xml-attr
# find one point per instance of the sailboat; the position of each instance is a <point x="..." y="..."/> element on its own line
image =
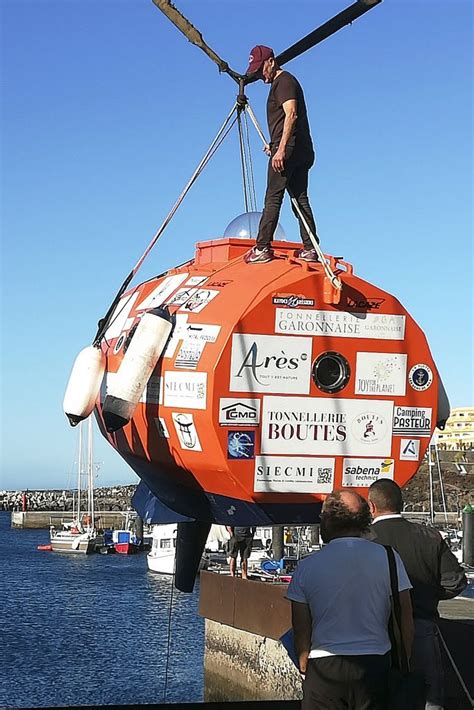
<point x="79" y="535"/>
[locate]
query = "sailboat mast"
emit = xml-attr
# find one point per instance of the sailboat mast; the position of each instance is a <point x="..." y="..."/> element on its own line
<point x="90" y="477"/>
<point x="79" y="474"/>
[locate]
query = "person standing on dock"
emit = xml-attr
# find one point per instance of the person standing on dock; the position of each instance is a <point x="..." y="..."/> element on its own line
<point x="240" y="543"/>
<point x="341" y="602"/>
<point x="433" y="571"/>
<point x="291" y="155"/>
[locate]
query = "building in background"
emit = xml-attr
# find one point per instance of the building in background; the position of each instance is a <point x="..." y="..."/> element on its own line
<point x="459" y="430"/>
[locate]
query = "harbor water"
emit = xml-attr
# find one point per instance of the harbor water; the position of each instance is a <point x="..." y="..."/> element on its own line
<point x="92" y="630"/>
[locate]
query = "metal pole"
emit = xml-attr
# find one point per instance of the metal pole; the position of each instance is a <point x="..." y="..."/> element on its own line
<point x="440" y="475"/>
<point x="277" y="542"/>
<point x="430" y="468"/>
<point x="468" y="535"/>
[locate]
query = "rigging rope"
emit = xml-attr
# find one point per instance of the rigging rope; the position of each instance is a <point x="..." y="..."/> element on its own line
<point x="243" y="161"/>
<point x="252" y="195"/>
<point x="222" y="133"/>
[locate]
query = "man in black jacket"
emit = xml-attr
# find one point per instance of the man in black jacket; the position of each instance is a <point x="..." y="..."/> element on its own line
<point x="433" y="571"/>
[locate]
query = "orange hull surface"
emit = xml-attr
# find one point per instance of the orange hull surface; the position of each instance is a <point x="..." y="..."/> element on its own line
<point x="269" y="393"/>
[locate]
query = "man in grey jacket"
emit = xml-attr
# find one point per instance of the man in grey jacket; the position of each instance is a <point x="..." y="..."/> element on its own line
<point x="434" y="573"/>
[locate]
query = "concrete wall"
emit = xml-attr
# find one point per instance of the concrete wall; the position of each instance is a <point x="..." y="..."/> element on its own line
<point x="239" y="665"/>
<point x="44" y="518"/>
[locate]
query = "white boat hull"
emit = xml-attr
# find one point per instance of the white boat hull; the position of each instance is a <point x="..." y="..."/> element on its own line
<point x="161" y="564"/>
<point x="82" y="544"/>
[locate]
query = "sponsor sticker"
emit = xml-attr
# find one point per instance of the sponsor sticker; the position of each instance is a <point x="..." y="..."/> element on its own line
<point x="199" y="300"/>
<point x="293" y="474"/>
<point x="240" y="444"/>
<point x="220" y="284"/>
<point x="266" y="363"/>
<point x="420" y="377"/>
<point x="292" y="301"/>
<point x="363" y="472"/>
<point x="412" y="421"/>
<point x="120" y="319"/>
<point x="381" y="373"/>
<point x="162" y="428"/>
<point x="186" y="431"/>
<point x="196" y="331"/>
<point x="189" y="354"/>
<point x="409" y="449"/>
<point x="340" y="324"/>
<point x="164" y="289"/>
<point x="195" y="280"/>
<point x="239" y="412"/>
<point x="185" y="389"/>
<point x="181" y="296"/>
<point x="315" y="426"/>
<point x="366" y="304"/>
<point x="176" y="335"/>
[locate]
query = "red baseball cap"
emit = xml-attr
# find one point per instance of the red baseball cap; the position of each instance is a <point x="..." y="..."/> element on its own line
<point x="258" y="56"/>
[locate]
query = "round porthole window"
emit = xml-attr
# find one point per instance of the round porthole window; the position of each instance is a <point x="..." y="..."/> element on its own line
<point x="331" y="372"/>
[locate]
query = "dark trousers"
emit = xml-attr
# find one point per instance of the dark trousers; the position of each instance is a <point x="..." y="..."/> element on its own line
<point x="294" y="178"/>
<point x="426" y="658"/>
<point x="346" y="683"/>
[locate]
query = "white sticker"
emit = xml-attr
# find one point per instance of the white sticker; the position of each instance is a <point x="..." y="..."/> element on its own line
<point x="363" y="472"/>
<point x="186" y="431"/>
<point x="412" y="421"/>
<point x="185" y="389"/>
<point x="189" y="354"/>
<point x="181" y="296"/>
<point x="177" y="334"/>
<point x="239" y="412"/>
<point x="267" y="363"/>
<point x="291" y="474"/>
<point x="159" y="295"/>
<point x="381" y="373"/>
<point x="162" y="428"/>
<point x="120" y="318"/>
<point x="198" y="331"/>
<point x="199" y="300"/>
<point x="420" y="377"/>
<point x="409" y="450"/>
<point x="339" y="324"/>
<point x="195" y="280"/>
<point x="314" y="426"/>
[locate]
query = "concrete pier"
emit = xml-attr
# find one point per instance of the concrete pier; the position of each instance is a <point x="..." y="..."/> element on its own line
<point x="44" y="518"/>
<point x="244" y="658"/>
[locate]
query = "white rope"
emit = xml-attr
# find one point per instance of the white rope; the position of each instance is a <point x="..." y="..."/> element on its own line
<point x="329" y="272"/>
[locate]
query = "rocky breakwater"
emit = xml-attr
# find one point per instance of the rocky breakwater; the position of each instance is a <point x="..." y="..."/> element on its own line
<point x="115" y="498"/>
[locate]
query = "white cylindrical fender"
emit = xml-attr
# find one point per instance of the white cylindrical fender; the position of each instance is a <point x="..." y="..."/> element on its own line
<point x="84" y="384"/>
<point x="143" y="353"/>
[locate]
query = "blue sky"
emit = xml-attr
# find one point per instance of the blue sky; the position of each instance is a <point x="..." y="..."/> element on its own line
<point x="107" y="110"/>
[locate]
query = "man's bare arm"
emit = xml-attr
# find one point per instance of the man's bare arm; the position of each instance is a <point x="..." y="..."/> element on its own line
<point x="278" y="160"/>
<point x="302" y="627"/>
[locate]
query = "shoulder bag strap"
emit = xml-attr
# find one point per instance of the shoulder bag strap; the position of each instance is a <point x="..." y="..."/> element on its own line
<point x="392" y="566"/>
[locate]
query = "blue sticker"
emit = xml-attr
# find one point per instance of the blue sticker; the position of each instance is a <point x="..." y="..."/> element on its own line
<point x="420" y="377"/>
<point x="240" y="444"/>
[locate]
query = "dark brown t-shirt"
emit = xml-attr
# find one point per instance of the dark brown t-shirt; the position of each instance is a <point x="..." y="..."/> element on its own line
<point x="284" y="88"/>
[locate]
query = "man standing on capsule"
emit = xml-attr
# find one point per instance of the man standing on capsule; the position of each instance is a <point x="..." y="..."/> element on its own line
<point x="291" y="155"/>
